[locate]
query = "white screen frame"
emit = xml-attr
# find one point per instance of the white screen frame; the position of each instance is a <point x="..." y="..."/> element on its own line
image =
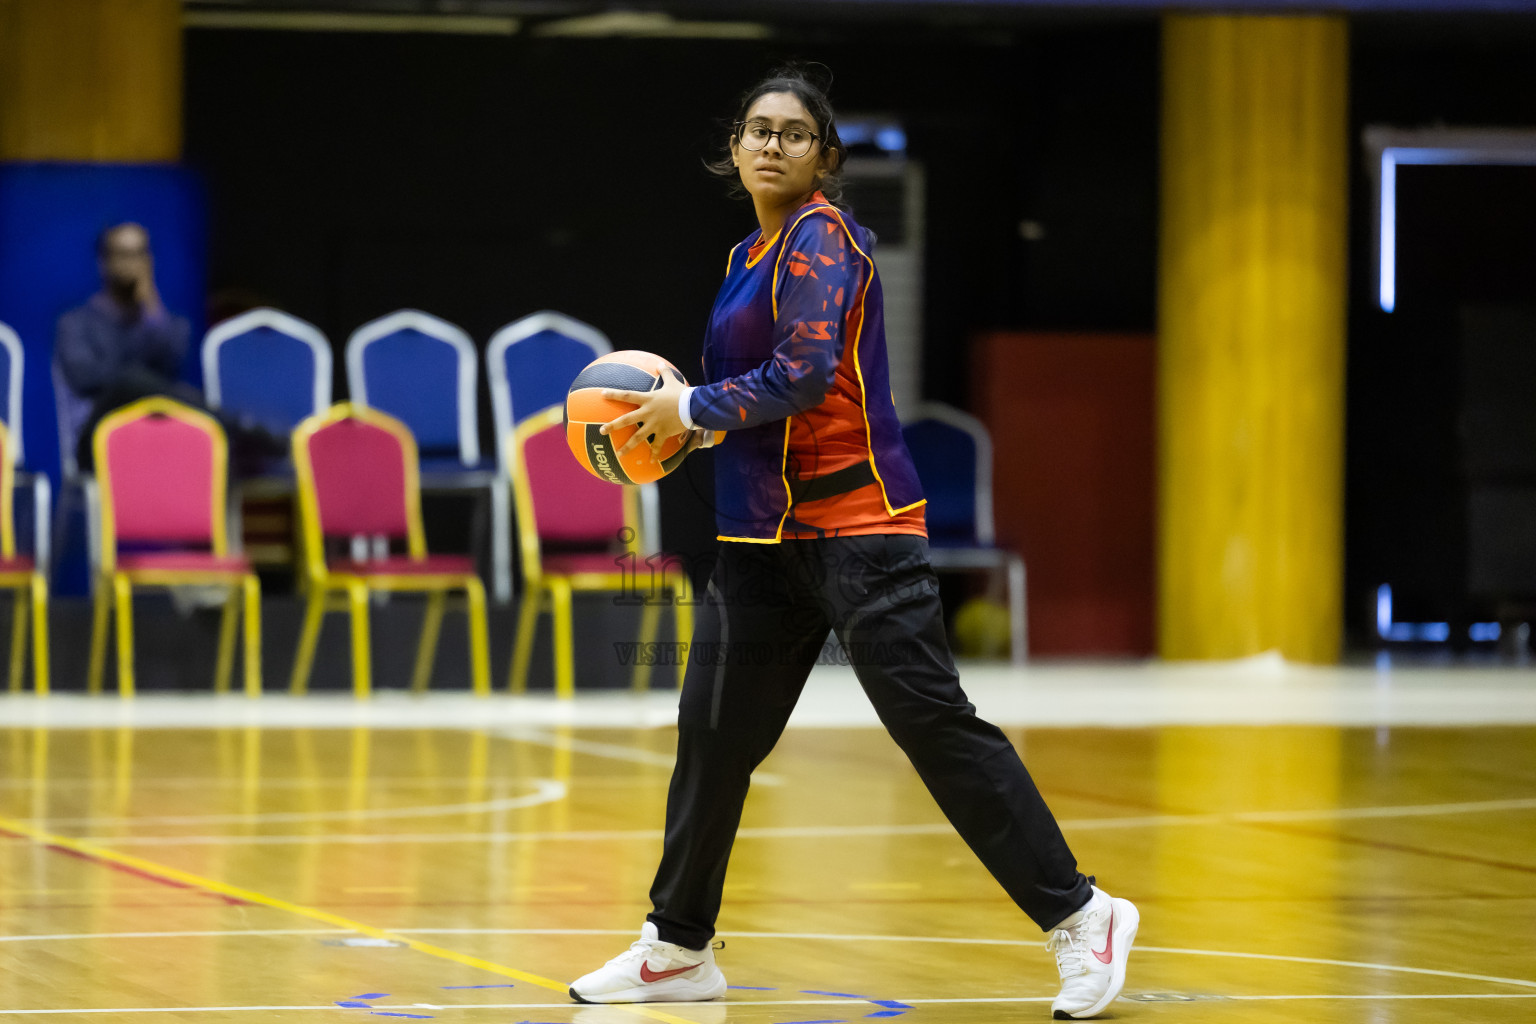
<point x="1389" y="148"/>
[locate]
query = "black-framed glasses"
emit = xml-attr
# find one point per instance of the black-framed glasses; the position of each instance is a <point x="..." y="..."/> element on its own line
<point x="793" y="142"/>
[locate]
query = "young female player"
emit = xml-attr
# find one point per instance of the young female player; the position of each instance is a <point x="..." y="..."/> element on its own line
<point x="821" y="522"/>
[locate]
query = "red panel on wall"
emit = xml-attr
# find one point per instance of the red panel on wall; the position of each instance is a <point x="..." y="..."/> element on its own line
<point x="1072" y="419"/>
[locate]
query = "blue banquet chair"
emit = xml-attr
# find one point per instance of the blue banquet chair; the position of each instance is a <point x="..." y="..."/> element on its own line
<point x="952" y="451"/>
<point x="423" y="371"/>
<point x="269" y="367"/>
<point x="530" y="364"/>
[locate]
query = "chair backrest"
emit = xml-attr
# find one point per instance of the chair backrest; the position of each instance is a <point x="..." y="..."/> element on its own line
<point x="11" y="353"/>
<point x="267" y="365"/>
<point x="530" y="364"/>
<point x="358" y="475"/>
<point x="952" y="451"/>
<point x="162" y="468"/>
<point x="421" y="370"/>
<point x="559" y="503"/>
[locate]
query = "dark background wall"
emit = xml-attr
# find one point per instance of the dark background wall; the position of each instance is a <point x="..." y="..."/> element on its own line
<point x="482" y="178"/>
<point x="485" y="178"/>
<point x="1417" y="459"/>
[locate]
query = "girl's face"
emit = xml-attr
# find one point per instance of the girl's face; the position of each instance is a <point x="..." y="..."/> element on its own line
<point x="770" y="174"/>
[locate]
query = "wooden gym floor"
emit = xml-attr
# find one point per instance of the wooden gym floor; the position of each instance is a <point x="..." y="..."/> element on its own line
<point x="201" y="860"/>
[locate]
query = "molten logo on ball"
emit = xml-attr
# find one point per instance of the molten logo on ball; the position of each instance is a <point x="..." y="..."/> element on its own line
<point x="586" y="410"/>
<point x="601" y="455"/>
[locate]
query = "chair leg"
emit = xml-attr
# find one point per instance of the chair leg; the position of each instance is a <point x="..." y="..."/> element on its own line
<point x="362" y="660"/>
<point x="522" y="647"/>
<point x="501" y="541"/>
<point x="1018" y="621"/>
<point x="304" y="657"/>
<point x="92" y="495"/>
<point x="100" y="623"/>
<point x="40" y="680"/>
<point x="640" y="675"/>
<point x="42" y="525"/>
<point x="479" y="638"/>
<point x="252" y="587"/>
<point x="19" y="611"/>
<point x="227" y="624"/>
<point x="682" y="619"/>
<point x="122" y="590"/>
<point x="426" y="646"/>
<point x="565" y="651"/>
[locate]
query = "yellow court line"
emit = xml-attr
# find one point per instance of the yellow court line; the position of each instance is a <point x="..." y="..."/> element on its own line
<point x="170" y="874"/>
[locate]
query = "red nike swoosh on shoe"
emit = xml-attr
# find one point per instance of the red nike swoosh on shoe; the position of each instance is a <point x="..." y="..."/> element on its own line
<point x="1103" y="958"/>
<point x="647" y="975"/>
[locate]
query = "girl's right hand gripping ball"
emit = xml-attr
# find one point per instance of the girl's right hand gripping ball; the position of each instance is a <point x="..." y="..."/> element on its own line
<point x="586" y="410"/>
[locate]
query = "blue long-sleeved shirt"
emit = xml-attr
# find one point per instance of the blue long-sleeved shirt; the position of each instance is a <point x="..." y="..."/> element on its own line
<point x="97" y="343"/>
<point x="820" y="285"/>
<point x="796" y="374"/>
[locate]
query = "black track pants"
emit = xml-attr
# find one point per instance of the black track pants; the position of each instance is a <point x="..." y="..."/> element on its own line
<point x="766" y="613"/>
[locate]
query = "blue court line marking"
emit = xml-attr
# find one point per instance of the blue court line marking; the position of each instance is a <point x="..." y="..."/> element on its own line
<point x="450" y="988"/>
<point x="752" y="988"/>
<point x="372" y="995"/>
<point x="413" y="1016"/>
<point x="353" y="1004"/>
<point x="893" y="1008"/>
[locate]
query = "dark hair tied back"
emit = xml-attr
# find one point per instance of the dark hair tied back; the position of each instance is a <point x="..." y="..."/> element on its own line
<point x="809" y="82"/>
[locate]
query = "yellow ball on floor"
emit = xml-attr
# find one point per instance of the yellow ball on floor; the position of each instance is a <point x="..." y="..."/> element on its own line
<point x="982" y="629"/>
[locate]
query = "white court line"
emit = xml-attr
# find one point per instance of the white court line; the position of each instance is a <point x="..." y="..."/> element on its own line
<point x="545" y="791"/>
<point x="259" y="932"/>
<point x="1330" y="814"/>
<point x="1523" y="983"/>
<point x="1262" y="691"/>
<point x="637" y="755"/>
<point x="388" y="709"/>
<point x="349" y="839"/>
<point x="840" y="831"/>
<point x="860" y="1003"/>
<point x="1390" y="995"/>
<point x="226" y="782"/>
<point x="824" y="937"/>
<point x="1004" y="942"/>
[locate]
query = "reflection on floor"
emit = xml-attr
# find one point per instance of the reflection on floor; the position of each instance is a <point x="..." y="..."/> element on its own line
<point x="1304" y="845"/>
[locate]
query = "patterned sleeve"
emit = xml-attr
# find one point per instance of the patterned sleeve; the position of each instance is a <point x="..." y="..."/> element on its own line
<point x="819" y="276"/>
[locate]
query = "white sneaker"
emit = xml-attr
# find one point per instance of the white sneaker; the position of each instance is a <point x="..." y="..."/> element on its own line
<point x="1091" y="947"/>
<point x="652" y="971"/>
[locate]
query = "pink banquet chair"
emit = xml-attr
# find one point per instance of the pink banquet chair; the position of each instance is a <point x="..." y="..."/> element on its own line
<point x="20" y="574"/>
<point x="576" y="532"/>
<point x="360" y="486"/>
<point x="162" y="469"/>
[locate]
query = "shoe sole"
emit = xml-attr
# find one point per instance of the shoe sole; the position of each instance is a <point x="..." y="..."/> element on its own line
<point x="686" y="992"/>
<point x="1128" y="919"/>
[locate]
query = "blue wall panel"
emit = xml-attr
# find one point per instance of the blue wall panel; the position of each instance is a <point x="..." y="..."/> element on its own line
<point x="50" y="215"/>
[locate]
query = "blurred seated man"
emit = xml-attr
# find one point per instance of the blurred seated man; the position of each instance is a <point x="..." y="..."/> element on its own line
<point x="123" y="344"/>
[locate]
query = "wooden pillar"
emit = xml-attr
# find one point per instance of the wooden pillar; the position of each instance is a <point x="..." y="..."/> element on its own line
<point x="1251" y="311"/>
<point x="94" y="81"/>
